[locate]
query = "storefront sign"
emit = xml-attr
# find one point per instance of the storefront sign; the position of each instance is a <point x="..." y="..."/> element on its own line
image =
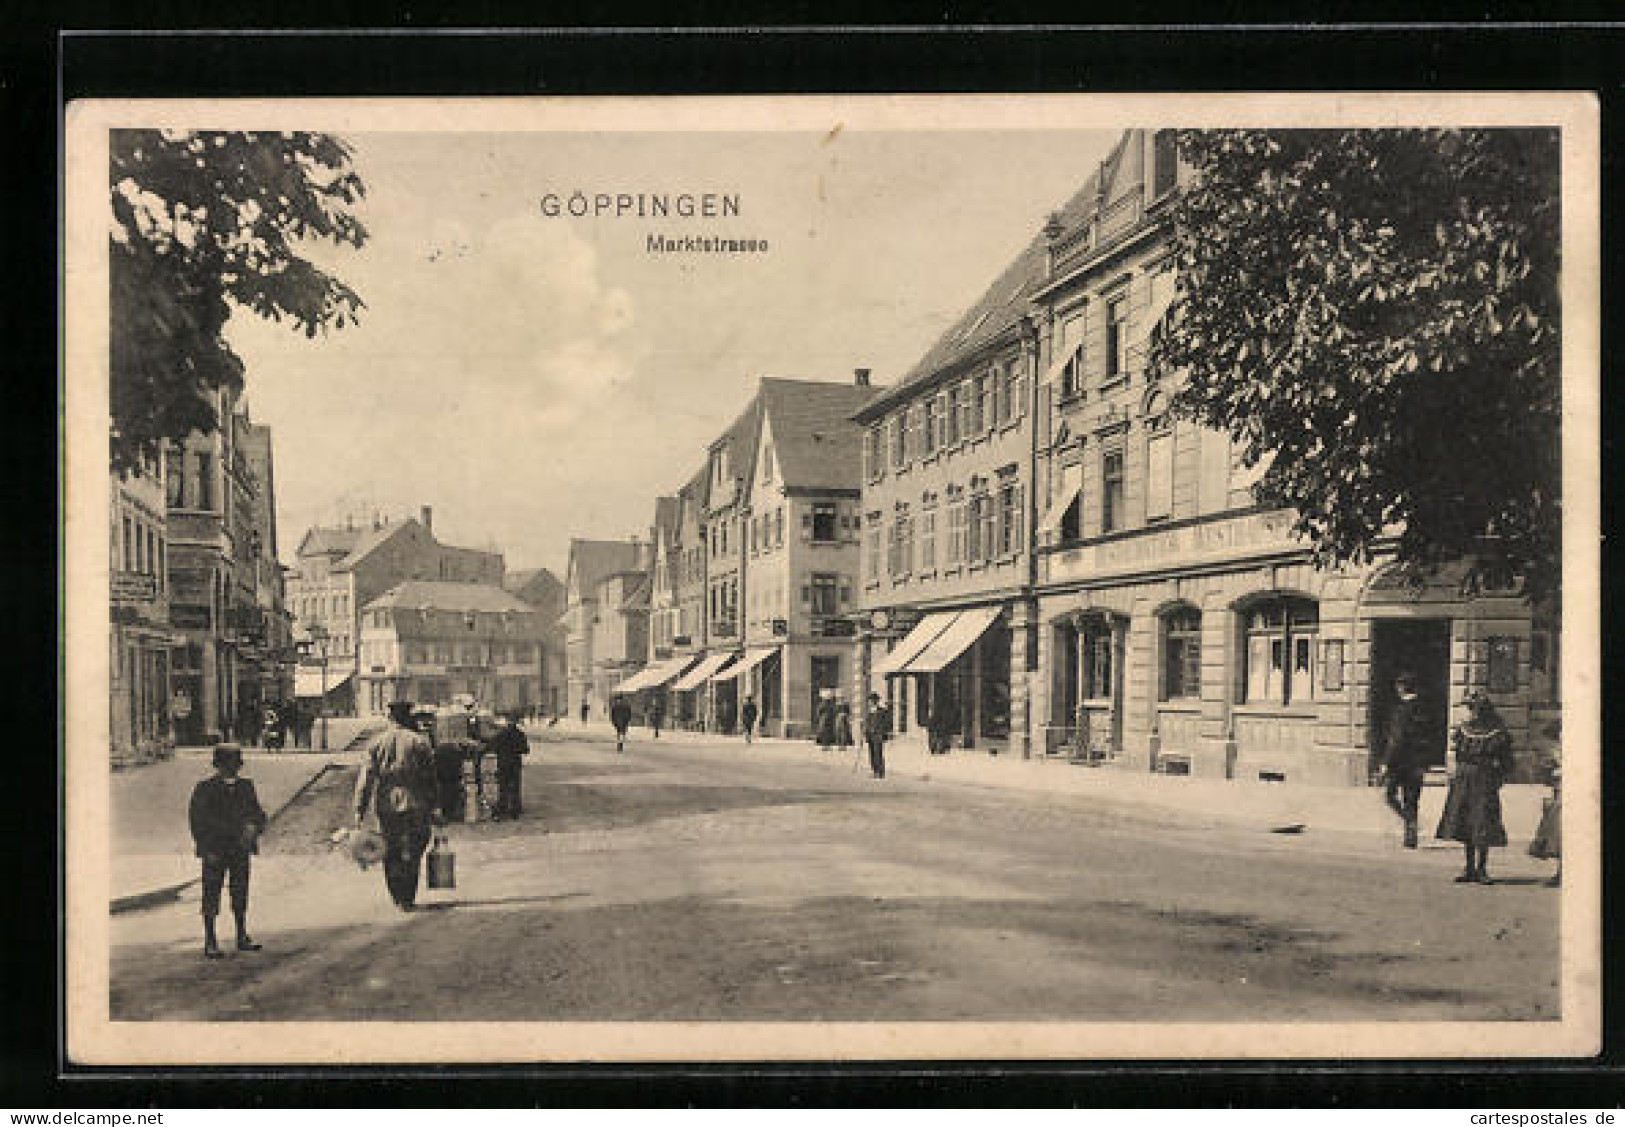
<point x="1184" y="546"/>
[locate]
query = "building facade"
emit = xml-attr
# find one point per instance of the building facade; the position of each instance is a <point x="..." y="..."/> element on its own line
<point x="140" y="724"/>
<point x="620" y="632"/>
<point x="338" y="571"/>
<point x="544" y="591"/>
<point x="429" y="641"/>
<point x="1062" y="569"/>
<point x="224" y="581"/>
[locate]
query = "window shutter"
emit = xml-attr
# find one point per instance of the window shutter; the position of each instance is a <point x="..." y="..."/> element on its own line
<point x="806" y="595"/>
<point x="806" y="527"/>
<point x="846" y="591"/>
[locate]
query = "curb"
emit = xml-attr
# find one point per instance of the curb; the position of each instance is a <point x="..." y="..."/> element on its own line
<point x="168" y="893"/>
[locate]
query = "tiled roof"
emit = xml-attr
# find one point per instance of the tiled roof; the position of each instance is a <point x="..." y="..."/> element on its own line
<point x="428" y="594"/>
<point x="593" y="561"/>
<point x="370" y="539"/>
<point x="319" y="541"/>
<point x="815" y="441"/>
<point x="1005" y="302"/>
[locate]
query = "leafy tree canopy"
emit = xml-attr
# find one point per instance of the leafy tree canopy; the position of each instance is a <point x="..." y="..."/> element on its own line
<point x="1378" y="309"/>
<point x="204" y="223"/>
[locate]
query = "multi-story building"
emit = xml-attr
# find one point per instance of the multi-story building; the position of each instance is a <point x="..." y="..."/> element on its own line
<point x="338" y="571"/>
<point x="591" y="562"/>
<point x="1055" y="565"/>
<point x="620" y="632"/>
<point x="799" y="546"/>
<point x="541" y="589"/>
<point x="429" y="642"/>
<point x="1182" y="627"/>
<point x="223" y="581"/>
<point x="140" y="724"/>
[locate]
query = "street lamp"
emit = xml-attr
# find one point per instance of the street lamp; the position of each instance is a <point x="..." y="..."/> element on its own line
<point x="319" y="639"/>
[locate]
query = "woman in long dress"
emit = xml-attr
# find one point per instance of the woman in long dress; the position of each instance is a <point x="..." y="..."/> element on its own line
<point x="1472" y="806"/>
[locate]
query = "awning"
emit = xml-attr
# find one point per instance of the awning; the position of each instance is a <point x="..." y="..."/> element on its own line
<point x="1063" y="501"/>
<point x="308" y="682"/>
<point x="924" y="633"/>
<point x="969" y="626"/>
<point x="753" y="657"/>
<point x="702" y="672"/>
<point x="654" y="676"/>
<point x="725" y="672"/>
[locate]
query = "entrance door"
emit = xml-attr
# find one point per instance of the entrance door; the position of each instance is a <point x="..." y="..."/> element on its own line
<point x="1421" y="647"/>
<point x="825" y="674"/>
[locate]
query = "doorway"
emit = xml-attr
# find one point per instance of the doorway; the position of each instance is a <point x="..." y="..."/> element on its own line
<point x="1420" y="646"/>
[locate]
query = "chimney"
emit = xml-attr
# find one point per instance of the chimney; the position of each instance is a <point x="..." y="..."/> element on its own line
<point x="860" y="377"/>
<point x="426" y="518"/>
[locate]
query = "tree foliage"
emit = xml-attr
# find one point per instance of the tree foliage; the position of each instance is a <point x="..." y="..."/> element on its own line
<point x="1378" y="309"/>
<point x="205" y="223"/>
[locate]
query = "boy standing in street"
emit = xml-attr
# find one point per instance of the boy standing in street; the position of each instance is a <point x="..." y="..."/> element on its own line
<point x="876" y="726"/>
<point x="227" y="821"/>
<point x="1405" y="755"/>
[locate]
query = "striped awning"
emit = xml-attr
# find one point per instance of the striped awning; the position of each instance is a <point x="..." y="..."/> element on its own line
<point x="924" y="633"/>
<point x="753" y="657"/>
<point x="703" y="672"/>
<point x="959" y="637"/>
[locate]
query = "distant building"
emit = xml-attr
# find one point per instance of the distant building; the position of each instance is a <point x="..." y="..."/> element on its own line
<point x="591" y="562"/>
<point x="340" y="570"/>
<point x="541" y="589"/>
<point x="223" y="579"/>
<point x="429" y="641"/>
<point x="141" y="726"/>
<point x="620" y="634"/>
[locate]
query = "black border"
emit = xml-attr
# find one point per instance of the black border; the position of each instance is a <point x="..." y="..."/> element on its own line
<point x="43" y="67"/>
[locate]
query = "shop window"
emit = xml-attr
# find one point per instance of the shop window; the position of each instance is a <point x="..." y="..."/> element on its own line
<point x="1182" y="654"/>
<point x="1111" y="491"/>
<point x="993" y="654"/>
<point x="1280" y="651"/>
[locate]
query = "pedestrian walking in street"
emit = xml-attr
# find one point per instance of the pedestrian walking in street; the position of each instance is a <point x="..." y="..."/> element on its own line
<point x="397" y="783"/>
<point x="1472" y="806"/>
<point x="748" y="715"/>
<point x="656" y="714"/>
<point x="824" y="720"/>
<point x="620" y="715"/>
<point x="1548" y="839"/>
<point x="510" y="748"/>
<point x="1405" y="755"/>
<point x="876" y="727"/>
<point x="226" y="820"/>
<point x="584" y="711"/>
<point x="843" y="725"/>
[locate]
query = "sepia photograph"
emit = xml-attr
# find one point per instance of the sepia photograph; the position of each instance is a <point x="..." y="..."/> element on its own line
<point x="831" y="578"/>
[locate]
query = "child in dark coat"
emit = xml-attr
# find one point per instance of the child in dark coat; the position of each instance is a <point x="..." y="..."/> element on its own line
<point x="227" y="821"/>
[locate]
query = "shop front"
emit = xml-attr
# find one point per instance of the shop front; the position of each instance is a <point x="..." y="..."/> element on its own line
<point x="948" y="680"/>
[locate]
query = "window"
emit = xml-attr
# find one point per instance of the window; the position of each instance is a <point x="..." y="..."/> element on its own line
<point x="873" y="551"/>
<point x="778" y="527"/>
<point x="930" y="431"/>
<point x="918" y="445"/>
<point x="940" y="403"/>
<point x="1164" y="158"/>
<point x="175" y="478"/>
<point x="955" y="420"/>
<point x="1182" y="654"/>
<point x="1279" y="657"/>
<point x="1072" y="338"/>
<point x="826" y="593"/>
<point x="874" y="453"/>
<point x="928" y="540"/>
<point x="978" y="404"/>
<point x="987" y="390"/>
<point x="1111" y="491"/>
<point x="767" y="462"/>
<point x="1115" y="312"/>
<point x="958" y="533"/>
<point x="128" y="542"/>
<point x="899" y="441"/>
<point x="824" y="524"/>
<point x="1009" y="523"/>
<point x="1159" y="475"/>
<point x="901" y="556"/>
<point x="203" y="493"/>
<point x="1005" y="378"/>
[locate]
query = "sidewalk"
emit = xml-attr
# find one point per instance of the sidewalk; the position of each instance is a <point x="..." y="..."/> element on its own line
<point x="1266" y="807"/>
<point x="150" y="840"/>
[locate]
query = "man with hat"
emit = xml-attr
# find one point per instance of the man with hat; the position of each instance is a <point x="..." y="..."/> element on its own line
<point x="1405" y="755"/>
<point x="398" y="782"/>
<point x="227" y="820"/>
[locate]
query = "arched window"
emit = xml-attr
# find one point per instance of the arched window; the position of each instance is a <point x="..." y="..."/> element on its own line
<point x="1279" y="655"/>
<point x="1182" y="653"/>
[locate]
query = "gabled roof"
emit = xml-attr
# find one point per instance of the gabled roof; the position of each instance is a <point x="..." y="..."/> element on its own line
<point x="517" y="582"/>
<point x="1004" y="303"/>
<point x="430" y="594"/>
<point x="372" y="539"/>
<point x="815" y="442"/>
<point x="593" y="561"/>
<point x="323" y="541"/>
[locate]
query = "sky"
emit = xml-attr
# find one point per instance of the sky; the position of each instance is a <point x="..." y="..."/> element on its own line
<point x="536" y="378"/>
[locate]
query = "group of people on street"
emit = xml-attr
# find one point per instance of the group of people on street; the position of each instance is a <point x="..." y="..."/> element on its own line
<point x="1482" y="757"/>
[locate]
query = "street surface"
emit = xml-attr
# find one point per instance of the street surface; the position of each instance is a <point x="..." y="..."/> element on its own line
<point x="688" y="881"/>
